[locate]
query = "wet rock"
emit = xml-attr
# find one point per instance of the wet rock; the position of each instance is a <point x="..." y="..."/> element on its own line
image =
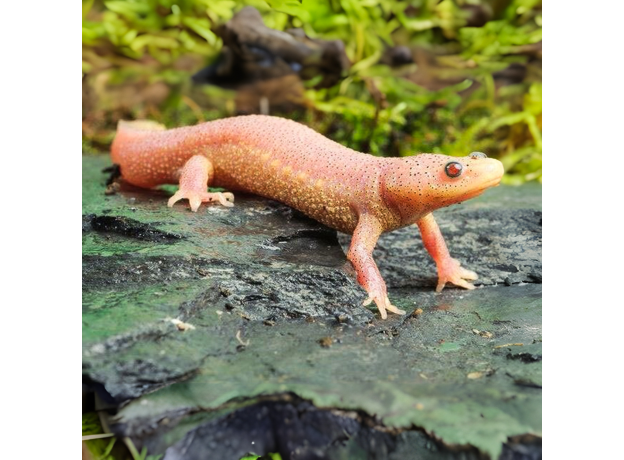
<point x="296" y="294"/>
<point x="126" y="227"/>
<point x="297" y="430"/>
<point x="196" y="340"/>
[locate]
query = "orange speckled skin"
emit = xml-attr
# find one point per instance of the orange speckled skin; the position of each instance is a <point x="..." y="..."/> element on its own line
<point x="289" y="162"/>
<point x="269" y="156"/>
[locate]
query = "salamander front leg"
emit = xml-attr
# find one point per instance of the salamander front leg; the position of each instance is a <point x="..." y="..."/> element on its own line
<point x="194" y="178"/>
<point x="449" y="269"/>
<point x="360" y="255"/>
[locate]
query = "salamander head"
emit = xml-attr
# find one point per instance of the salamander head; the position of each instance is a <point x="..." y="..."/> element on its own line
<point x="420" y="184"/>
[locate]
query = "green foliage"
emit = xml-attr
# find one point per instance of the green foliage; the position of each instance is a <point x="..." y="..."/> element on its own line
<point x="136" y="455"/>
<point x="375" y="109"/>
<point x="163" y="29"/>
<point x="496" y="39"/>
<point x="102" y="449"/>
<point x="99" y="448"/>
<point x="264" y="457"/>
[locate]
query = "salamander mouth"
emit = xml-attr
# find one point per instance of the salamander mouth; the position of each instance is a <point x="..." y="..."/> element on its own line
<point x="495" y="182"/>
<point x="495" y="173"/>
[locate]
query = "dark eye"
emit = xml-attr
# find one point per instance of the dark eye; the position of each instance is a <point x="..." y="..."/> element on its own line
<point x="453" y="169"/>
<point x="475" y="155"/>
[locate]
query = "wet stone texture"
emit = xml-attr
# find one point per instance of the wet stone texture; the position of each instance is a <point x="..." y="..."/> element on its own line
<point x="233" y="331"/>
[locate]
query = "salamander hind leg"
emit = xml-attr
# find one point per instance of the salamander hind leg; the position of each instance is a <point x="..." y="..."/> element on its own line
<point x="194" y="179"/>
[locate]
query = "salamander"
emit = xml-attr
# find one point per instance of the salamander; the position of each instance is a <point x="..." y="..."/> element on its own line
<point x="283" y="160"/>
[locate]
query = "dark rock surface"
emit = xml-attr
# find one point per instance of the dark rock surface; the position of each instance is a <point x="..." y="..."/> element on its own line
<point x="202" y="326"/>
<point x="285" y="423"/>
<point x="504" y="246"/>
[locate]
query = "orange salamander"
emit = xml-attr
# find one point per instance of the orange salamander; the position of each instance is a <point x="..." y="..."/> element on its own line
<point x="283" y="160"/>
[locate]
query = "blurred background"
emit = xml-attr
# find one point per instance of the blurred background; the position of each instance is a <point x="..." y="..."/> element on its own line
<point x="389" y="77"/>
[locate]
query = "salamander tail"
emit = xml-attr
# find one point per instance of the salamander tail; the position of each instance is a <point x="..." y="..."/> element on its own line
<point x="129" y="132"/>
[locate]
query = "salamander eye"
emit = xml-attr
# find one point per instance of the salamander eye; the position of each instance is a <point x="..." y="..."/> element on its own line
<point x="453" y="169"/>
<point x="475" y="155"/>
